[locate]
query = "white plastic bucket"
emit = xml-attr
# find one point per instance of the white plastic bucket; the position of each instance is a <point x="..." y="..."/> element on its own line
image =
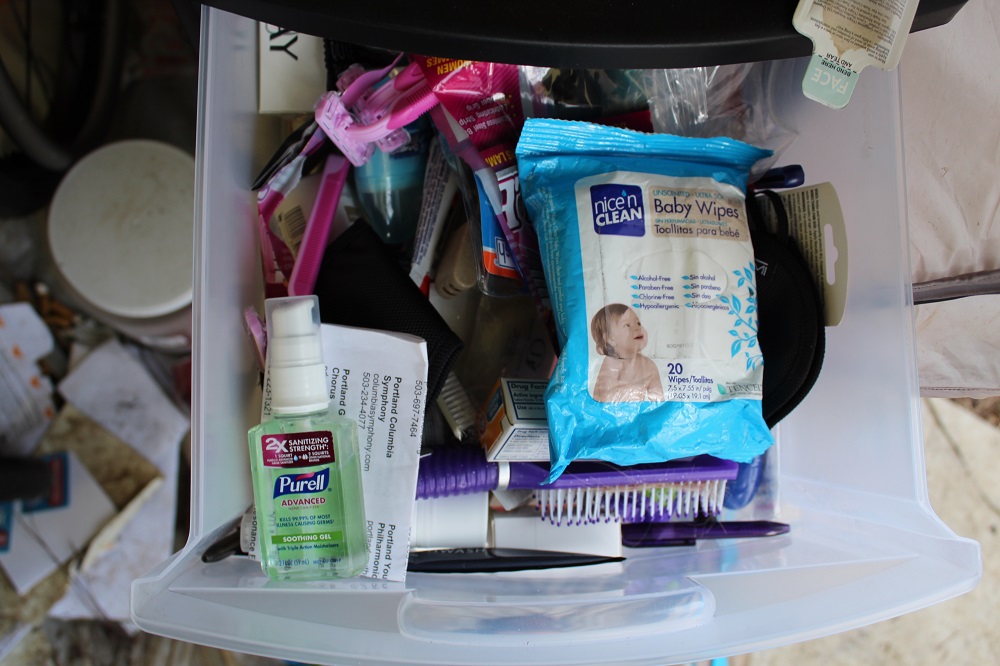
<point x="121" y="236"/>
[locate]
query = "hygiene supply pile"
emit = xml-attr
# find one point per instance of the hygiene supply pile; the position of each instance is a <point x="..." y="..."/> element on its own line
<point x="647" y="398"/>
<point x="648" y="257"/>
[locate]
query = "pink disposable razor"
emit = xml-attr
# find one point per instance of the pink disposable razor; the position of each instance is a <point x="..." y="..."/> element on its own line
<point x="256" y="332"/>
<point x="356" y="125"/>
<point x="355" y="82"/>
<point x="369" y="103"/>
<point x="275" y="255"/>
<point x="373" y="106"/>
<point x="303" y="278"/>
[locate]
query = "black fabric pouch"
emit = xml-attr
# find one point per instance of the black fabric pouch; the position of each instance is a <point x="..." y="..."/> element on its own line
<point x="361" y="283"/>
<point x="790" y="328"/>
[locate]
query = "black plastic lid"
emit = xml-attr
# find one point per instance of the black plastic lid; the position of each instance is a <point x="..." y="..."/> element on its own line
<point x="563" y="33"/>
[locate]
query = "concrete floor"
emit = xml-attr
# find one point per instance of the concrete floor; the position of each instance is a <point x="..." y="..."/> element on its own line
<point x="963" y="457"/>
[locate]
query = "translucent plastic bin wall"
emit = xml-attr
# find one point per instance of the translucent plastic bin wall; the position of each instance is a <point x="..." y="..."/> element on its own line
<point x="865" y="545"/>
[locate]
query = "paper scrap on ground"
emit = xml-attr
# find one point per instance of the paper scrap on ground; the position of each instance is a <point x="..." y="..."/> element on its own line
<point x="113" y="389"/>
<point x="379" y="380"/>
<point x="45" y="534"/>
<point x="25" y="394"/>
<point x="11" y="640"/>
<point x="121" y="470"/>
<point x="106" y="539"/>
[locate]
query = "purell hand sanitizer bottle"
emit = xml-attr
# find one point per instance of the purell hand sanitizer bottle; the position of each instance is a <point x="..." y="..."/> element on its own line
<point x="305" y="463"/>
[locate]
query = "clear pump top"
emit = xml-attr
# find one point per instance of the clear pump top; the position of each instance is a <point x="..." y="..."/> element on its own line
<point x="295" y="355"/>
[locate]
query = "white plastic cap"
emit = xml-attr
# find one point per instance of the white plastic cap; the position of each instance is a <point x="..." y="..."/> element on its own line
<point x="295" y="355"/>
<point x="461" y="521"/>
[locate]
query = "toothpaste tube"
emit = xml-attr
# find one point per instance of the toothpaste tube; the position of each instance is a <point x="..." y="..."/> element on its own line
<point x="482" y="97"/>
<point x="440" y="187"/>
<point x="482" y="117"/>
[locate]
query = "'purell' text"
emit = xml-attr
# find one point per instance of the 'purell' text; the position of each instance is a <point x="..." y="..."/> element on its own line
<point x="293" y="484"/>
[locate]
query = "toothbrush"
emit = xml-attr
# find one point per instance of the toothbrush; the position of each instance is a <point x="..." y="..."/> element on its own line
<point x="317" y="231"/>
<point x="457" y="408"/>
<point x="587" y="492"/>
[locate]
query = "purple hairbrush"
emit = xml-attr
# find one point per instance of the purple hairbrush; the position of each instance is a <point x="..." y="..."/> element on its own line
<point x="588" y="491"/>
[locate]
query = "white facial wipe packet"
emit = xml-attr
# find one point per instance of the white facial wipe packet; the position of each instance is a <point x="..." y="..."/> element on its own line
<point x="847" y="36"/>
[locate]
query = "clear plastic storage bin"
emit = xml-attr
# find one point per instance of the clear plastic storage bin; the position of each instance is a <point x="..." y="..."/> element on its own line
<point x="865" y="544"/>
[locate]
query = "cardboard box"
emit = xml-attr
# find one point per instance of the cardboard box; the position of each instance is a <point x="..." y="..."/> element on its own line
<point x="291" y="73"/>
<point x="512" y="423"/>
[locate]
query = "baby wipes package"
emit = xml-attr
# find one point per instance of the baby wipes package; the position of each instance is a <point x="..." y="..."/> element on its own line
<point x="650" y="268"/>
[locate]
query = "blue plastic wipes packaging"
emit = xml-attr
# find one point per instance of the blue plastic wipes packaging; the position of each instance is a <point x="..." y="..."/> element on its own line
<point x="648" y="259"/>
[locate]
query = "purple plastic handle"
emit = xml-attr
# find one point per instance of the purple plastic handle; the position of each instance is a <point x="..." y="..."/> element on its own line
<point x="638" y="535"/>
<point x="464" y="470"/>
<point x="455" y="471"/>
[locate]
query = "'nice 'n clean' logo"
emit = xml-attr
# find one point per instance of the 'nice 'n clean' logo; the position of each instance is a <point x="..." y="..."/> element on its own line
<point x="618" y="210"/>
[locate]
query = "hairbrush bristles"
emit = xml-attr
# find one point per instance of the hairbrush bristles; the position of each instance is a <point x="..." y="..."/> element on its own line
<point x="631" y="504"/>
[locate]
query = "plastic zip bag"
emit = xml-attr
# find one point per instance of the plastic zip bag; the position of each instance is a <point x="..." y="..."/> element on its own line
<point x="735" y="101"/>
